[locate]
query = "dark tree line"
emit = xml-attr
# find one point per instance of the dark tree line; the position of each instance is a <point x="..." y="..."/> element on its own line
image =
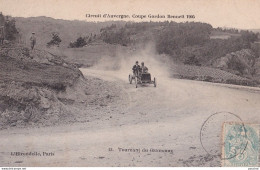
<point x="188" y="42"/>
<point x="195" y="46"/>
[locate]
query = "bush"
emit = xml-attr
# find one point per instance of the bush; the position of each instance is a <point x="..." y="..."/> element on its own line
<point x="235" y="64"/>
<point x="55" y="40"/>
<point x="80" y="42"/>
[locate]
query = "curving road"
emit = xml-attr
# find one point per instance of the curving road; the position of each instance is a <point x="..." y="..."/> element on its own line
<point x="168" y="117"/>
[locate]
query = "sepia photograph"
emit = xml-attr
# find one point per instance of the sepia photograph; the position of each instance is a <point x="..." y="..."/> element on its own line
<point x="110" y="83"/>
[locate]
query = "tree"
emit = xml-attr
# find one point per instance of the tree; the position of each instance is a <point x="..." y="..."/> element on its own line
<point x="2" y="20"/>
<point x="249" y="36"/>
<point x="10" y="29"/>
<point x="55" y="40"/>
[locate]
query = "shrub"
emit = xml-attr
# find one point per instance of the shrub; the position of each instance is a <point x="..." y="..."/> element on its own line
<point x="55" y="40"/>
<point x="80" y="42"/>
<point x="235" y="64"/>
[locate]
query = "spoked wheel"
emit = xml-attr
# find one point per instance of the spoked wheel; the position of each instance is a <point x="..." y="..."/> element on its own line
<point x="154" y="82"/>
<point x="136" y="82"/>
<point x="130" y="79"/>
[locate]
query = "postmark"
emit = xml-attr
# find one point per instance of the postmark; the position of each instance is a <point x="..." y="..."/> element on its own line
<point x="211" y="133"/>
<point x="240" y="144"/>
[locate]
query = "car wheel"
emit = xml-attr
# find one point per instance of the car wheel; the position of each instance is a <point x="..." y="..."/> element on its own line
<point x="154" y="82"/>
<point x="136" y="82"/>
<point x="130" y="79"/>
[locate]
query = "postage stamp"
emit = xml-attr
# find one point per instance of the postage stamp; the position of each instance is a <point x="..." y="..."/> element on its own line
<point x="240" y="144"/>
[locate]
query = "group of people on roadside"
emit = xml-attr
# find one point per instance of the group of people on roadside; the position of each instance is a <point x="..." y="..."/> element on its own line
<point x="137" y="69"/>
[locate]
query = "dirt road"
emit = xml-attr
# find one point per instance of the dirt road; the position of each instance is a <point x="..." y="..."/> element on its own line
<point x="168" y="117"/>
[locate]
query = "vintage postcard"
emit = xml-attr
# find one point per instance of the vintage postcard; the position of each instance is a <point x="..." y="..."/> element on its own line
<point x="147" y="83"/>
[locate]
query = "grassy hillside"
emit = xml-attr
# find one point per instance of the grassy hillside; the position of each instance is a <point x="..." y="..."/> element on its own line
<point x="67" y="30"/>
<point x="89" y="55"/>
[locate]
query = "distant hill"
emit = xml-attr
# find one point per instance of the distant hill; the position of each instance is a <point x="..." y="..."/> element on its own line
<point x="255" y="30"/>
<point x="193" y="43"/>
<point x="68" y="30"/>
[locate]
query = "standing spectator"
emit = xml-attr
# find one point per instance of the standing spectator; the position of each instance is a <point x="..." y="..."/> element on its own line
<point x="33" y="40"/>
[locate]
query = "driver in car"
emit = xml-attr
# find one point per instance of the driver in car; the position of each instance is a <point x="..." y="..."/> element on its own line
<point x="136" y="68"/>
<point x="144" y="69"/>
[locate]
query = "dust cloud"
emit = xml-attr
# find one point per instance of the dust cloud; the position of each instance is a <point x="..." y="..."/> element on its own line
<point x="121" y="64"/>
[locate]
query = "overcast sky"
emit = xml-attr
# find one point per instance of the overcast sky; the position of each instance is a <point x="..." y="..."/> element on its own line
<point x="243" y="14"/>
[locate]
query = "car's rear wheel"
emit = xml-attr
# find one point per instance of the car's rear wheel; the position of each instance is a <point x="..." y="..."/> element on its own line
<point x="130" y="79"/>
<point x="154" y="82"/>
<point x="136" y="82"/>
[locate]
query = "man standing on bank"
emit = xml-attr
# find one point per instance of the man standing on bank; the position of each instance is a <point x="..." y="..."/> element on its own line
<point x="33" y="40"/>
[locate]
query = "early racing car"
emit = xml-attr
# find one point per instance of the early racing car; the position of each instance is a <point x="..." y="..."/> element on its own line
<point x="141" y="79"/>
